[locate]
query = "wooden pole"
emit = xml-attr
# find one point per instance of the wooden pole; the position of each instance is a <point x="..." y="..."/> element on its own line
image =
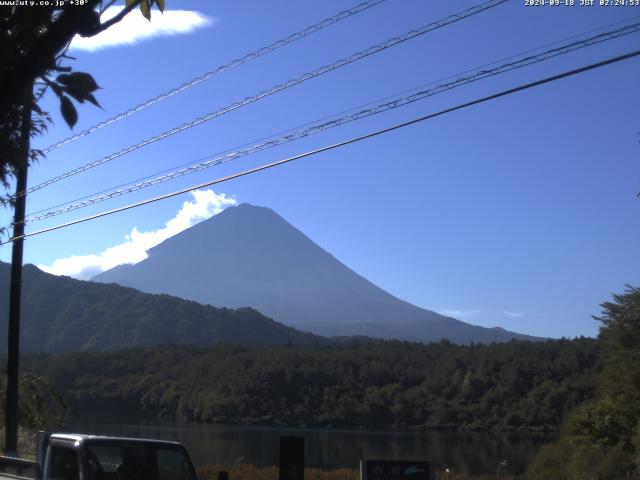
<point x="15" y="292"/>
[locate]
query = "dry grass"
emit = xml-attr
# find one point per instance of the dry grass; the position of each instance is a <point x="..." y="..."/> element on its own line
<point x="443" y="474"/>
<point x="251" y="472"/>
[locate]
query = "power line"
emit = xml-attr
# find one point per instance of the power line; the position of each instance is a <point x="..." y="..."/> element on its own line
<point x="398" y="126"/>
<point x="277" y="88"/>
<point x="219" y="70"/>
<point x="306" y="124"/>
<point x="397" y="102"/>
<point x="326" y="124"/>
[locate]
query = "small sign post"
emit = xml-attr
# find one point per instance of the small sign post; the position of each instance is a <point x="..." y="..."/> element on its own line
<point x="291" y="458"/>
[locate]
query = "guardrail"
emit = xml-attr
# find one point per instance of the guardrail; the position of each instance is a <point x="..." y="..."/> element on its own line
<point x="19" y="469"/>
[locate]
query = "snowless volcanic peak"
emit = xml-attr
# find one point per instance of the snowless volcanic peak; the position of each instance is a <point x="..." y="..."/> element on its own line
<point x="250" y="256"/>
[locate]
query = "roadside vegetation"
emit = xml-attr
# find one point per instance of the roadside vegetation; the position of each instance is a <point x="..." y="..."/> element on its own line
<point x="601" y="438"/>
<point x="41" y="407"/>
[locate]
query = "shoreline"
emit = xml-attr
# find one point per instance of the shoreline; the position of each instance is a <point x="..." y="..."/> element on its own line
<point x="400" y="429"/>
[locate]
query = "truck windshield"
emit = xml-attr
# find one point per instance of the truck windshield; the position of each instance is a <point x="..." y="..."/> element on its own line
<point x="138" y="462"/>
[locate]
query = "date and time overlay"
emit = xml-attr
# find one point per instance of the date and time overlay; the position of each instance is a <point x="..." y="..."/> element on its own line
<point x="526" y="3"/>
<point x="582" y="3"/>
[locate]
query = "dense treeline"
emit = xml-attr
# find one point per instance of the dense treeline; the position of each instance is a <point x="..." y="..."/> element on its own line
<point x="601" y="439"/>
<point x="513" y="385"/>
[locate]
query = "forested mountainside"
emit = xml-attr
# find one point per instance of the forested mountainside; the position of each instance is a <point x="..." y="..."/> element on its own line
<point x="60" y="314"/>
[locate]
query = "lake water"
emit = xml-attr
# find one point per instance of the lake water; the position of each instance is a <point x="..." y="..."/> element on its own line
<point x="468" y="452"/>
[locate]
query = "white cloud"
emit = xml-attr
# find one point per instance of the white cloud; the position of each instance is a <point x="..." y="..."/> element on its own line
<point x="134" y="28"/>
<point x="513" y="314"/>
<point x="205" y="204"/>
<point x="461" y="313"/>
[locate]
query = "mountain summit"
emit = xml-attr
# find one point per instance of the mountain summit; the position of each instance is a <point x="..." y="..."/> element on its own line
<point x="249" y="256"/>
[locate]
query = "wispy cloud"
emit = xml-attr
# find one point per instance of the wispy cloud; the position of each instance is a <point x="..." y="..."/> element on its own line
<point x="511" y="314"/>
<point x="461" y="313"/>
<point x="205" y="204"/>
<point x="135" y="28"/>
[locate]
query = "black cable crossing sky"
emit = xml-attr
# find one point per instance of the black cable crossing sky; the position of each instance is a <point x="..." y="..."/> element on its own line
<point x="320" y="126"/>
<point x="361" y="7"/>
<point x="460" y="78"/>
<point x="376" y="133"/>
<point x="391" y="42"/>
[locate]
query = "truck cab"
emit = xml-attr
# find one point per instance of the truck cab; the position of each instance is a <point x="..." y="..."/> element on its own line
<point x="88" y="457"/>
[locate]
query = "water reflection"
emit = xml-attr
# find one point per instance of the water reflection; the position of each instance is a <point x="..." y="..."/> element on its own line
<point x="468" y="452"/>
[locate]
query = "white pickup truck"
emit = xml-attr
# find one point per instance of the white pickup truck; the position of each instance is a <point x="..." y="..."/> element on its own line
<point x="88" y="457"/>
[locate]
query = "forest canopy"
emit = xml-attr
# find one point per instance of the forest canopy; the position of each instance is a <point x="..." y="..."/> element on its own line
<point x="515" y="385"/>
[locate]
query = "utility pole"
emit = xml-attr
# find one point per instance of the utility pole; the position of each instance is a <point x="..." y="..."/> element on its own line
<point x="13" y="357"/>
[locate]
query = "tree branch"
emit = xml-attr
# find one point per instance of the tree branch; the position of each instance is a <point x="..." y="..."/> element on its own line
<point x="63" y="54"/>
<point x="49" y="83"/>
<point x="117" y="18"/>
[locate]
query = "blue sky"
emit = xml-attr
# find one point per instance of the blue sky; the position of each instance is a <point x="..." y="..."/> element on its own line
<point x="520" y="213"/>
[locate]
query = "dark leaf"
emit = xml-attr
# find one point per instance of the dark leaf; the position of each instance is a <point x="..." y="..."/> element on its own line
<point x="160" y="4"/>
<point x="35" y="155"/>
<point x="76" y="93"/>
<point x="36" y="108"/>
<point x="57" y="89"/>
<point x="145" y="8"/>
<point x="93" y="100"/>
<point x="68" y="111"/>
<point x="63" y="78"/>
<point x="79" y="80"/>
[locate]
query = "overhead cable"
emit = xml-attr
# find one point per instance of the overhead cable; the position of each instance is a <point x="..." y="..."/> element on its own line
<point x="376" y="133"/>
<point x="275" y="89"/>
<point x="321" y="126"/>
<point x="219" y="70"/>
<point x="326" y="118"/>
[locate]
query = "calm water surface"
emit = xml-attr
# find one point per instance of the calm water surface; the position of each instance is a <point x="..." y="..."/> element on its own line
<point x="468" y="452"/>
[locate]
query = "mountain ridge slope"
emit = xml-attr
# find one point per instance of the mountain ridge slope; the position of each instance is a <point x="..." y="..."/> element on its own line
<point x="251" y="256"/>
<point x="61" y="314"/>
